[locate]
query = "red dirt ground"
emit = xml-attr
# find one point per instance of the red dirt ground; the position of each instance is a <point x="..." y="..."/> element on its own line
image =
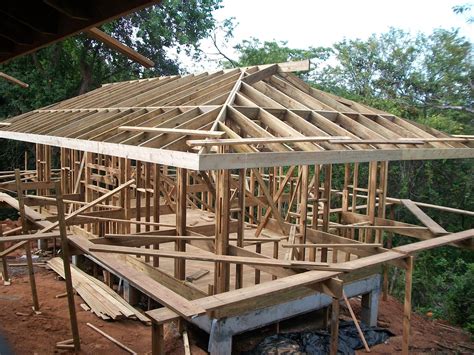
<point x="30" y="333"/>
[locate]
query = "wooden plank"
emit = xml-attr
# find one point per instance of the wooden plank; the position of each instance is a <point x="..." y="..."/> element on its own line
<point x="437" y="242"/>
<point x="67" y="268"/>
<point x="407" y="306"/>
<point x="334" y="327"/>
<point x="89" y="205"/>
<point x="301" y="65"/>
<point x="280" y="191"/>
<point x="24" y="227"/>
<point x="260" y="74"/>
<point x="13" y="80"/>
<point x="189" y="255"/>
<point x="270" y="159"/>
<point x="158" y="338"/>
<point x="423" y="217"/>
<point x="140" y="280"/>
<point x="111" y="42"/>
<point x="376" y="141"/>
<point x="179" y="131"/>
<point x="356" y="323"/>
<point x="180" y="245"/>
<point x="23" y="237"/>
<point x="112" y="339"/>
<point x="336" y="246"/>
<point x="271" y="203"/>
<point x="263" y="141"/>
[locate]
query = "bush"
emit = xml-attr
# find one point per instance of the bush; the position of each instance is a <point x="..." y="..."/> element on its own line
<point x="460" y="299"/>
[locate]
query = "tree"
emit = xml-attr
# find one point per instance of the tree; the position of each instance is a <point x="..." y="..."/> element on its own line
<point x="417" y="76"/>
<point x="255" y="52"/>
<point x="79" y="64"/>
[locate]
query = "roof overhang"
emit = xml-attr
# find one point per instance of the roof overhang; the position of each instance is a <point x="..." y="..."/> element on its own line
<point x="240" y="160"/>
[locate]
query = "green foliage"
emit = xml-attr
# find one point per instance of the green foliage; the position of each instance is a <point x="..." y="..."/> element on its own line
<point x="460" y="299"/>
<point x="79" y="64"/>
<point x="413" y="76"/>
<point x="255" y="52"/>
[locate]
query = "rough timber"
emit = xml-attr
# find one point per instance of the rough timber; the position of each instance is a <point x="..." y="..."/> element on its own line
<point x="231" y="172"/>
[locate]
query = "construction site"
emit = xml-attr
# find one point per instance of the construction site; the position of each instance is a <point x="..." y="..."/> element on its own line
<point x="211" y="197"/>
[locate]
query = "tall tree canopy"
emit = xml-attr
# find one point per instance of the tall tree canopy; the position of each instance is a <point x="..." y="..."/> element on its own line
<point x="421" y="76"/>
<point x="79" y="64"/>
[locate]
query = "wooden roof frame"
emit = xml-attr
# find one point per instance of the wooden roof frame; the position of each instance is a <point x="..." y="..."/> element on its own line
<point x="134" y="120"/>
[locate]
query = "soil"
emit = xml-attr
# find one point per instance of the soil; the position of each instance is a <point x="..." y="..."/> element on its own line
<point x="27" y="332"/>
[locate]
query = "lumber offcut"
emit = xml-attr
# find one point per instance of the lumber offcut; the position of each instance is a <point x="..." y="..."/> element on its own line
<point x="102" y="300"/>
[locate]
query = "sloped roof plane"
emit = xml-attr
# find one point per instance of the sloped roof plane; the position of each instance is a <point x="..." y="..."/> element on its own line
<point x="235" y="118"/>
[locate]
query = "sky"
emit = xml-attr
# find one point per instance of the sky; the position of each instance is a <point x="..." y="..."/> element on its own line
<point x="305" y="23"/>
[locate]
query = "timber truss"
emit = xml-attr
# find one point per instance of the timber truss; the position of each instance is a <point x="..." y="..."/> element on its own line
<point x="199" y="122"/>
<point x="213" y="194"/>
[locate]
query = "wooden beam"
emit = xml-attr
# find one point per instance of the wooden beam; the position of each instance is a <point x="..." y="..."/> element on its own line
<point x="111" y="42"/>
<point x="356" y="323"/>
<point x="334" y="326"/>
<point x="23" y="237"/>
<point x="301" y="65"/>
<point x="140" y="280"/>
<point x="191" y="132"/>
<point x="376" y="141"/>
<point x="434" y="227"/>
<point x="24" y="227"/>
<point x="89" y="205"/>
<point x="13" y="80"/>
<point x="180" y="245"/>
<point x="260" y="74"/>
<point x="437" y="242"/>
<point x="335" y="245"/>
<point x="67" y="268"/>
<point x="407" y="306"/>
<point x="269" y="159"/>
<point x="263" y="141"/>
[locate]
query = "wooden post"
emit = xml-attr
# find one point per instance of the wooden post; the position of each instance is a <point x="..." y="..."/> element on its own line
<point x="147" y="201"/>
<point x="24" y="227"/>
<point x="180" y="245"/>
<point x="156" y="207"/>
<point x="372" y="198"/>
<point x="407" y="306"/>
<point x="138" y="194"/>
<point x="6" y="277"/>
<point x="221" y="275"/>
<point x="334" y="326"/>
<point x="239" y="275"/>
<point x="304" y="207"/>
<point x="356" y="323"/>
<point x="355" y="183"/>
<point x="314" y="221"/>
<point x="67" y="267"/>
<point x="327" y="206"/>
<point x="157" y="339"/>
